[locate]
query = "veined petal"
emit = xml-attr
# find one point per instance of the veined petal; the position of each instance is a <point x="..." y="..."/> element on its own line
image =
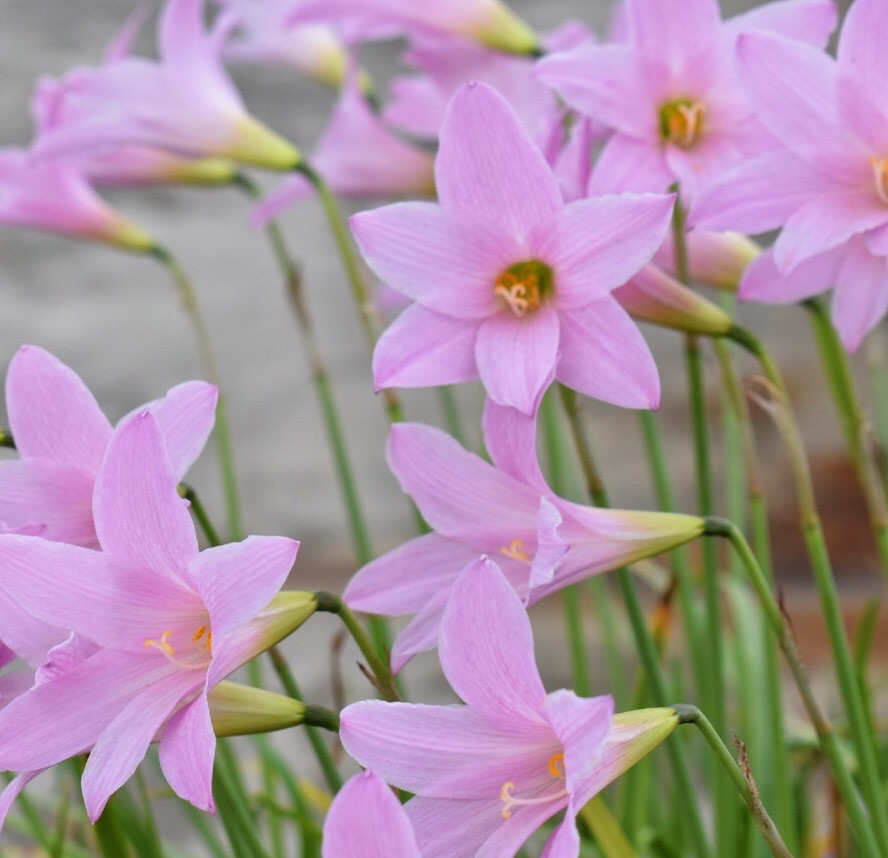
<point x="627" y="164"/>
<point x="488" y="168"/>
<point x="30" y="639"/>
<point x="861" y="52"/>
<point x="11" y="791"/>
<point x="447" y="261"/>
<point x="442" y="751"/>
<point x="366" y="820"/>
<point x="595" y="245"/>
<point x="423" y="349"/>
<point x="187" y="749"/>
<point x="404" y="579"/>
<point x="237" y="580"/>
<point x="551" y="548"/>
<point x="604" y="355"/>
<point x="669" y="25"/>
<point x="809" y="21"/>
<point x="763" y="281"/>
<point x="564" y="841"/>
<point x="861" y="296"/>
<point x="510" y="440"/>
<point x="124" y="742"/>
<point x="516" y="356"/>
<point x="486" y="649"/>
<point x="52" y="414"/>
<point x="422" y="632"/>
<point x="139" y="515"/>
<point x="460" y="495"/>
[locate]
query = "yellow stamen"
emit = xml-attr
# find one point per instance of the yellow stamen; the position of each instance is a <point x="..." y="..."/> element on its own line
<point x="198" y="634"/>
<point x="681" y="122"/>
<point x="169" y="653"/>
<point x="163" y="646"/>
<point x="521" y="296"/>
<point x="880" y="177"/>
<point x="515" y="550"/>
<point x="554" y="769"/>
<point x="509" y="801"/>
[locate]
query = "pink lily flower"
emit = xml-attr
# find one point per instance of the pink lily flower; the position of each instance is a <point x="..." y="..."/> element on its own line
<point x="55" y="197"/>
<point x="829" y="187"/>
<point x="506" y="510"/>
<point x="487" y="774"/>
<point x="366" y="820"/>
<point x="489" y="22"/>
<point x="671" y="91"/>
<point x="503" y="267"/>
<point x="169" y="623"/>
<point x="359" y="158"/>
<point x="185" y="103"/>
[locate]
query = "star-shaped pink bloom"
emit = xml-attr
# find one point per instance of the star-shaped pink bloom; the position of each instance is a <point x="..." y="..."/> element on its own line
<point x="510" y="283"/>
<point x="168" y="622"/>
<point x="487" y="774"/>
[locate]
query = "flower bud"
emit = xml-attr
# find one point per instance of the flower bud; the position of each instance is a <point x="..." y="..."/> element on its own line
<point x="716" y="259"/>
<point x="632" y="736"/>
<point x="241" y="710"/>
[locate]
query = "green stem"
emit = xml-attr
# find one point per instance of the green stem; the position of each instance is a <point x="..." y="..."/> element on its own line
<point x="450" y="410"/>
<point x="862" y="827"/>
<point x="200" y="513"/>
<point x="742" y="779"/>
<point x="384" y="680"/>
<point x="239" y="821"/>
<point x="223" y="439"/>
<point x="877" y="364"/>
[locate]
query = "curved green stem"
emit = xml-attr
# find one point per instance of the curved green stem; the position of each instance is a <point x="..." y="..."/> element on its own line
<point x="200" y="513"/>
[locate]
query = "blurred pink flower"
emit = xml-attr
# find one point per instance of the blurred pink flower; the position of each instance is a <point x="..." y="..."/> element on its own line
<point x="503" y="267"/>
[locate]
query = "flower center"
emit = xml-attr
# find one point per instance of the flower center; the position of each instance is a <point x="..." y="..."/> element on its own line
<point x="681" y="122"/>
<point x="515" y="550"/>
<point x="880" y="177"/>
<point x="522" y="286"/>
<point x="201" y="642"/>
<point x="556" y="769"/>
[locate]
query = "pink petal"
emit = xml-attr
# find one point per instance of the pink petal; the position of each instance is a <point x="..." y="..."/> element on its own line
<point x="516" y="356"/>
<point x="11" y="791"/>
<point x="763" y="281"/>
<point x="403" y="580"/>
<point x="551" y="548"/>
<point x="124" y="742"/>
<point x="460" y="495"/>
<point x="489" y="168"/>
<point x="52" y="414"/>
<point x="367" y="820"/>
<point x="630" y="165"/>
<point x="510" y="441"/>
<point x="187" y="749"/>
<point x="672" y="27"/>
<point x="808" y="21"/>
<point x="486" y="649"/>
<point x="139" y="515"/>
<point x="421" y="633"/>
<point x="604" y="356"/>
<point x="597" y="244"/>
<point x="861" y="52"/>
<point x="30" y="639"/>
<point x="422" y="349"/>
<point x="238" y="580"/>
<point x="861" y="296"/>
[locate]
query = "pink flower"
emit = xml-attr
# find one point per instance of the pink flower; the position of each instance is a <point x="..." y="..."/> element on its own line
<point x="487" y="774"/>
<point x="168" y="622"/>
<point x="55" y="197"/>
<point x="366" y="820"/>
<point x="671" y="91"/>
<point x="510" y="283"/>
<point x="544" y="543"/>
<point x="829" y="187"/>
<point x="185" y="103"/>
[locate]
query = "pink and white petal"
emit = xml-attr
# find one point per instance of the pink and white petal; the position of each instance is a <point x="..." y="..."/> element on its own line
<point x="422" y="348"/>
<point x="668" y="26"/>
<point x="187" y="749"/>
<point x="696" y="167"/>
<point x="486" y="649"/>
<point x="28" y="638"/>
<point x="139" y="514"/>
<point x="763" y="281"/>
<point x="809" y="21"/>
<point x="442" y="751"/>
<point x="604" y="355"/>
<point x="510" y="441"/>
<point x="11" y="792"/>
<point x="52" y="414"/>
<point x="123" y="744"/>
<point x="422" y="632"/>
<point x="65" y="717"/>
<point x="597" y="244"/>
<point x="12" y="684"/>
<point x="488" y="168"/>
<point x="55" y="497"/>
<point x="629" y="165"/>
<point x="861" y="295"/>
<point x="366" y="820"/>
<point x="564" y="841"/>
<point x="582" y="725"/>
<point x="446" y="261"/>
<point x="460" y="495"/>
<point x="447" y="827"/>
<point x="825" y="222"/>
<point x="509" y="836"/>
<point x="861" y="52"/>
<point x="551" y="548"/>
<point x="864" y="117"/>
<point x="404" y="579"/>
<point x="516" y="356"/>
<point x="185" y="417"/>
<point x="238" y="580"/>
<point x="62" y="658"/>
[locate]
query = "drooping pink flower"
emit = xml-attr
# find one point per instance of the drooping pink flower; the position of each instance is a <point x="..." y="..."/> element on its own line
<point x="55" y="197"/>
<point x="671" y="91"/>
<point x="506" y="510"/>
<point x="366" y="820"/>
<point x="169" y="623"/>
<point x="184" y="103"/>
<point x="829" y="187"/>
<point x="487" y="774"/>
<point x="510" y="283"/>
